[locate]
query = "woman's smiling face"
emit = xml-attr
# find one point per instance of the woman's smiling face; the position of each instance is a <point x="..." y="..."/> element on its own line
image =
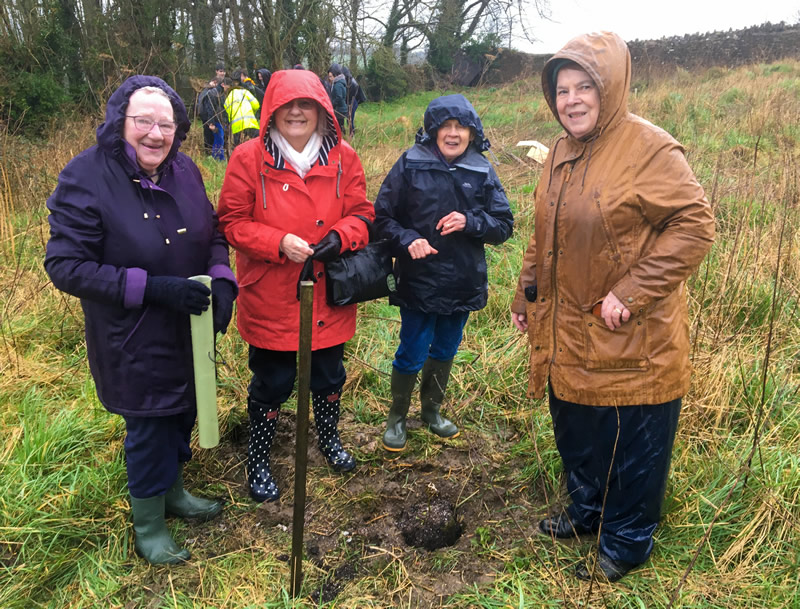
<point x="297" y="120"/>
<point x="152" y="146"/>
<point x="577" y="101"/>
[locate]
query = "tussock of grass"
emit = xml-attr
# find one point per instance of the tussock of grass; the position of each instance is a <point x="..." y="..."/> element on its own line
<point x="729" y="537"/>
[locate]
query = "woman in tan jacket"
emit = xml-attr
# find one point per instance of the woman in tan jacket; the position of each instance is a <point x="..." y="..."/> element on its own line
<point x="621" y="222"/>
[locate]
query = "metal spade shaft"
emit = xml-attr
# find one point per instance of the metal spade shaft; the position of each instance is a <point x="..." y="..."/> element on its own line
<point x="301" y="438"/>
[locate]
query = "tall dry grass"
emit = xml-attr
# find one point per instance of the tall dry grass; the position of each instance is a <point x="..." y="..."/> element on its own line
<point x="729" y="537"/>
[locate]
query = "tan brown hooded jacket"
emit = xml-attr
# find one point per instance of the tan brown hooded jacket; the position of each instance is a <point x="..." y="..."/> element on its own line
<point x="619" y="210"/>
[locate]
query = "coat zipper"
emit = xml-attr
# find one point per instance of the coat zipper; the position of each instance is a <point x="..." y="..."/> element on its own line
<point x="555" y="256"/>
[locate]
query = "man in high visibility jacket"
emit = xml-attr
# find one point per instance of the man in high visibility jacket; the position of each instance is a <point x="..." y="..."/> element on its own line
<point x="241" y="108"/>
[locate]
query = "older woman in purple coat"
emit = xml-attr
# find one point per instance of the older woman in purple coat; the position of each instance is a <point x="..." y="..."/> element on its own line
<point x="129" y="223"/>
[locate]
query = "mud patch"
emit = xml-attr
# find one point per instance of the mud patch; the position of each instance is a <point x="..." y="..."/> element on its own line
<point x="430" y="525"/>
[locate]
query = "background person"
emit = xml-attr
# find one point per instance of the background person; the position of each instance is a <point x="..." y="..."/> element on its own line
<point x="212" y="114"/>
<point x="621" y="222"/>
<point x="338" y="93"/>
<point x="355" y="96"/>
<point x="439" y="205"/>
<point x="290" y="198"/>
<point x="129" y="222"/>
<point x="240" y="108"/>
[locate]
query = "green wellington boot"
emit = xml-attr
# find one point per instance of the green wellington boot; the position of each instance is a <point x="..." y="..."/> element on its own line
<point x="178" y="502"/>
<point x="394" y="438"/>
<point x="153" y="541"/>
<point x="435" y="375"/>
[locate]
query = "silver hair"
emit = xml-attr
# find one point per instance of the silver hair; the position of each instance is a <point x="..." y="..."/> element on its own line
<point x="156" y="90"/>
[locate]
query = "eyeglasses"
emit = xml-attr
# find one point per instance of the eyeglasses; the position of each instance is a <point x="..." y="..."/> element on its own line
<point x="145" y="124"/>
<point x="302" y="103"/>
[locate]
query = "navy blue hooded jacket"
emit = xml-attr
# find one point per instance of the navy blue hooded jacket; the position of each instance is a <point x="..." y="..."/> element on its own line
<point x="110" y="227"/>
<point x="422" y="188"/>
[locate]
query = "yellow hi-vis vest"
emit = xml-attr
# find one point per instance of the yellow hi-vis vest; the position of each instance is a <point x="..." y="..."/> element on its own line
<point x="241" y="107"/>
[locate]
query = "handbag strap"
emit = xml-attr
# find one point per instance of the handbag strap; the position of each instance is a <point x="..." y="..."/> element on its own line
<point x="370" y="226"/>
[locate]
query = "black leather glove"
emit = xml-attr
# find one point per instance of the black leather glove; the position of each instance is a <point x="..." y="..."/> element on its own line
<point x="177" y="293"/>
<point x="306" y="274"/>
<point x="329" y="247"/>
<point x="222" y="294"/>
<point x="530" y="293"/>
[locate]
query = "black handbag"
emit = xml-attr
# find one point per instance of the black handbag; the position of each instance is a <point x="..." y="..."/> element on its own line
<point x="361" y="275"/>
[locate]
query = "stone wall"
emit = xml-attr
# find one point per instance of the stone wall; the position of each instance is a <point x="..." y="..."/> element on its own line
<point x="762" y="43"/>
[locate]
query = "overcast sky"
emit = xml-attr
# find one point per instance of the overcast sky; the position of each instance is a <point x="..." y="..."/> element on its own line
<point x="646" y="19"/>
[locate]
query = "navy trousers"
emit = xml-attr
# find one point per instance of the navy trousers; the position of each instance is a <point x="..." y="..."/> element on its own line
<point x="154" y="449"/>
<point x="626" y="450"/>
<point x="274" y="373"/>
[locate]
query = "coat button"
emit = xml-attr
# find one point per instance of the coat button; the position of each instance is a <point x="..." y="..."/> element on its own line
<point x="541" y="299"/>
<point x="536" y="348"/>
<point x="320" y="223"/>
<point x="285" y="187"/>
<point x="549" y="252"/>
<point x="319" y="273"/>
<point x="560" y="252"/>
<point x="552" y="203"/>
<point x="630" y="299"/>
<point x="320" y="323"/>
<point x="353" y="244"/>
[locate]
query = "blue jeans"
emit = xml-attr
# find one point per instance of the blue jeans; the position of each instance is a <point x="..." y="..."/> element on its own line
<point x="424" y="335"/>
<point x="218" y="150"/>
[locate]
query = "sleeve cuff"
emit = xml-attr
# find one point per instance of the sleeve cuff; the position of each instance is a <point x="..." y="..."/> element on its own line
<point x="222" y="271"/>
<point x="135" y="282"/>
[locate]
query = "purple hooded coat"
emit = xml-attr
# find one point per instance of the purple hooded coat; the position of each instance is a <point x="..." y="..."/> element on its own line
<point x="111" y="227"/>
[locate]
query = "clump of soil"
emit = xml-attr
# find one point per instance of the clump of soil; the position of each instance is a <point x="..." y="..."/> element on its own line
<point x="334" y="583"/>
<point x="430" y="525"/>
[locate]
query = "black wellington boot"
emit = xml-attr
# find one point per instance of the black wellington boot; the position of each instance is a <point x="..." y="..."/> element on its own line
<point x="326" y="417"/>
<point x="263" y="424"/>
<point x="394" y="438"/>
<point x="179" y="502"/>
<point x="435" y="375"/>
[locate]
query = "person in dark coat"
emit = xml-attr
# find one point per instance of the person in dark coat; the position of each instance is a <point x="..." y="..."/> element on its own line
<point x="338" y="93"/>
<point x="263" y="75"/>
<point x="439" y="205"/>
<point x="129" y="223"/>
<point x="212" y="113"/>
<point x="355" y="96"/>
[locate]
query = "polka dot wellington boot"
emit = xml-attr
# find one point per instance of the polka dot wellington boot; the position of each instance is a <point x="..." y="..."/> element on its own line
<point x="263" y="424"/>
<point x="326" y="417"/>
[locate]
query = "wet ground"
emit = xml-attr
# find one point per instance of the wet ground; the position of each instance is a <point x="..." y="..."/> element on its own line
<point x="445" y="515"/>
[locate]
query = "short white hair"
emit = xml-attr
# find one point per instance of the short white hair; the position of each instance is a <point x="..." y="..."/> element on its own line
<point x="155" y="90"/>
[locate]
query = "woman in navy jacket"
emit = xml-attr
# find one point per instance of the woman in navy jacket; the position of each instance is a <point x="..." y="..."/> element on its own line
<point x="439" y="205"/>
<point x="129" y="223"/>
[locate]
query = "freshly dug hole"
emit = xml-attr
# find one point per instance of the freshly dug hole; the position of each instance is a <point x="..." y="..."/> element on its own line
<point x="430" y="524"/>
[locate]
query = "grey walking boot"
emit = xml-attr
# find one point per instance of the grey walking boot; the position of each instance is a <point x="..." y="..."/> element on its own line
<point x="394" y="438"/>
<point x="179" y="502"/>
<point x="435" y="375"/>
<point x="153" y="540"/>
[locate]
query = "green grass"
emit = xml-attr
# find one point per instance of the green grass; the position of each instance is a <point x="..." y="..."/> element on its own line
<point x="65" y="533"/>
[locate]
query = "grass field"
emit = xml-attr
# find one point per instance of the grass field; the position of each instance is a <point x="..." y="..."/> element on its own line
<point x="730" y="535"/>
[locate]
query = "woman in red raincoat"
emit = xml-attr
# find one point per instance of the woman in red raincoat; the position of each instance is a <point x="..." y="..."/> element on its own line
<point x="292" y="194"/>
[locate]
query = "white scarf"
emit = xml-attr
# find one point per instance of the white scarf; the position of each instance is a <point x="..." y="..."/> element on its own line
<point x="301" y="161"/>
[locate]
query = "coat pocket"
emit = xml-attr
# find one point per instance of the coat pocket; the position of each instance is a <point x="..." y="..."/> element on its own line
<point x="623" y="349"/>
<point x="249" y="270"/>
